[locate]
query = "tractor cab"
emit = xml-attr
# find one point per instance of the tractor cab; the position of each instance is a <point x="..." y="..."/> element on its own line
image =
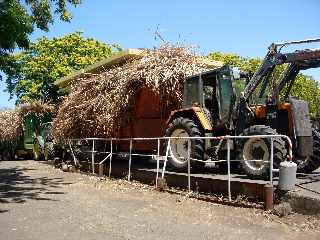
<point x="213" y="92"/>
<point x="208" y="105"/>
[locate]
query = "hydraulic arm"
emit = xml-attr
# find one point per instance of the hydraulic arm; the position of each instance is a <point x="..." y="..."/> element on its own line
<point x="298" y="60"/>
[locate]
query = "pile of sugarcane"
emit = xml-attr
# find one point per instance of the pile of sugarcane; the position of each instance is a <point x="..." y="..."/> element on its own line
<point x="98" y="104"/>
<point x="11" y="121"/>
<point x="36" y="107"/>
<point x="10" y="125"/>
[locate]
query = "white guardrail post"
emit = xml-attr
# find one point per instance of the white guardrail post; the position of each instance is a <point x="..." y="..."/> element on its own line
<point x="92" y="156"/>
<point x="166" y="158"/>
<point x="75" y="160"/>
<point x="158" y="156"/>
<point x="271" y="161"/>
<point x="110" y="160"/>
<point x="130" y="159"/>
<point x="229" y="174"/>
<point x="189" y="167"/>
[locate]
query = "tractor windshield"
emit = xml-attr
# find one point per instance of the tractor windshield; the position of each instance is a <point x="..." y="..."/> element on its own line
<point x="225" y="94"/>
<point x="192" y="92"/>
<point x="212" y="90"/>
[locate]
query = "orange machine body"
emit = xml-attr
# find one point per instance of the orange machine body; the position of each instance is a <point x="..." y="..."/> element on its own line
<point x="148" y="121"/>
<point x="260" y="114"/>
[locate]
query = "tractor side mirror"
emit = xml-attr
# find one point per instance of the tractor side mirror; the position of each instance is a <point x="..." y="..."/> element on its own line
<point x="239" y="74"/>
<point x="236" y="73"/>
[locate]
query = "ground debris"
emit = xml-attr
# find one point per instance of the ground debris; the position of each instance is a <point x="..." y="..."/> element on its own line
<point x="282" y="209"/>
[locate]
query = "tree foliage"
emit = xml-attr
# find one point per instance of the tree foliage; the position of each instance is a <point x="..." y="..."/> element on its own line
<point x="31" y="73"/>
<point x="305" y="87"/>
<point x="18" y="19"/>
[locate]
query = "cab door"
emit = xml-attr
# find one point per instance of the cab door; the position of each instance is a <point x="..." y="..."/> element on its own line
<point x="225" y="95"/>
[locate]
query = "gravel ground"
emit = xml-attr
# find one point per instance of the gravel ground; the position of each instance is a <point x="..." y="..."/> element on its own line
<point x="39" y="202"/>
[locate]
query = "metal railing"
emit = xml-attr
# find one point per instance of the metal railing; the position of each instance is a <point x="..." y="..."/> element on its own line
<point x="165" y="157"/>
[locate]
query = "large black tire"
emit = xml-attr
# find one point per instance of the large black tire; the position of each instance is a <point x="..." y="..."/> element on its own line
<point x="259" y="148"/>
<point x="7" y="155"/>
<point x="184" y="127"/>
<point x="49" y="152"/>
<point x="311" y="163"/>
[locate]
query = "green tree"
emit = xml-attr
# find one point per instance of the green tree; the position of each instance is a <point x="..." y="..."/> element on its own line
<point x="18" y="20"/>
<point x="243" y="63"/>
<point x="31" y="73"/>
<point x="305" y="87"/>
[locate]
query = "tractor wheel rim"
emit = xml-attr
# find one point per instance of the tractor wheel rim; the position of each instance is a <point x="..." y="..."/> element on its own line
<point x="179" y="147"/>
<point x="255" y="149"/>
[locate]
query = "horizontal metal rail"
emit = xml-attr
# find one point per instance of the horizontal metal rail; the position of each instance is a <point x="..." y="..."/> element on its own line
<point x="167" y="153"/>
<point x="213" y="138"/>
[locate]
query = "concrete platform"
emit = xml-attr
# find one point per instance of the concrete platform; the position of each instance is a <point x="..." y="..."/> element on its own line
<point x="309" y="184"/>
<point x="306" y="196"/>
<point x="208" y="182"/>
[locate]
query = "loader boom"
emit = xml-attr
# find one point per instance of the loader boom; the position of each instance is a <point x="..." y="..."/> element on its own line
<point x="298" y="60"/>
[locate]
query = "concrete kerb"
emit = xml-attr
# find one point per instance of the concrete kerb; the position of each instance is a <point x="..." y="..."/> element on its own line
<point x="301" y="203"/>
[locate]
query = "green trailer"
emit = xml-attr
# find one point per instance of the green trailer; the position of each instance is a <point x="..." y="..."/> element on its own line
<point x="33" y="143"/>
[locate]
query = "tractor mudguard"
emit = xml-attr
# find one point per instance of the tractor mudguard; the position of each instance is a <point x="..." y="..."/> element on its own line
<point x="194" y="113"/>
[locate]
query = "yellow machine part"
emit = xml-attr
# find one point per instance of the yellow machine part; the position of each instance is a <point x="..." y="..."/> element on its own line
<point x="196" y="112"/>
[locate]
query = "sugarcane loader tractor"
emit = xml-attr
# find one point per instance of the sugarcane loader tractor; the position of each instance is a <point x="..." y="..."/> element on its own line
<point x="224" y="101"/>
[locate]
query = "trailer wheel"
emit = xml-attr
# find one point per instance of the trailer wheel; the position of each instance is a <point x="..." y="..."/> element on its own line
<point x="259" y="149"/>
<point x="311" y="163"/>
<point x="178" y="153"/>
<point x="6" y="155"/>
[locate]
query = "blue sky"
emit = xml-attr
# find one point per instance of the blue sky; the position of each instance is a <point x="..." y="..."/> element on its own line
<point x="244" y="27"/>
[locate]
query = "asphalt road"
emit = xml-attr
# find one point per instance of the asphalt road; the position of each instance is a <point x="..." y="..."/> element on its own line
<point x="39" y="202"/>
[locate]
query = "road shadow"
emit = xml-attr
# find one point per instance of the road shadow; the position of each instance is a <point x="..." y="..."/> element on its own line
<point x="16" y="186"/>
